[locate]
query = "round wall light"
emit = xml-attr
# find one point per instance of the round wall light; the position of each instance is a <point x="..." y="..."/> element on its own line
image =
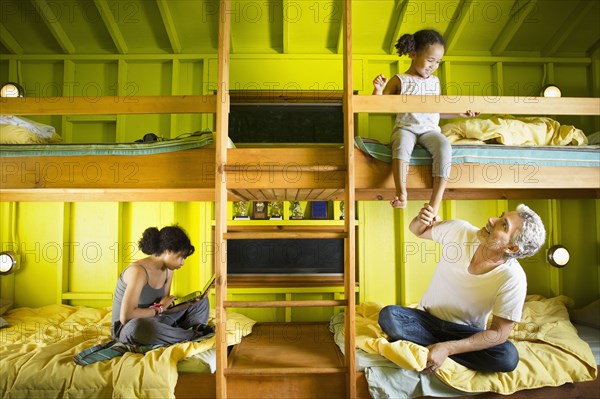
<point x="8" y="263"/>
<point x="558" y="256"/>
<point x="12" y="89"/>
<point x="551" y="91"/>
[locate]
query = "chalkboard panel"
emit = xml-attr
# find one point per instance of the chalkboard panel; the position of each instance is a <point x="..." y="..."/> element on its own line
<point x="286" y="123"/>
<point x="285" y="256"/>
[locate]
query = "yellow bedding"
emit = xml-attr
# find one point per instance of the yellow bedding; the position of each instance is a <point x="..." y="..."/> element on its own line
<point x="36" y="356"/>
<point x="551" y="353"/>
<point x="510" y="130"/>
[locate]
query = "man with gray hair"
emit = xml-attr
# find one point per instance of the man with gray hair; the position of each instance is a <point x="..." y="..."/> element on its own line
<point x="478" y="276"/>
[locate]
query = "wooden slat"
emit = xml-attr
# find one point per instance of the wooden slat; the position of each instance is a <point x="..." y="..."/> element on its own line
<point x="485" y="105"/>
<point x="286" y="371"/>
<point x="108" y="105"/>
<point x="105" y="194"/>
<point x="287" y="96"/>
<point x="283" y="304"/>
<point x="221" y="141"/>
<point x="265" y="235"/>
<point x="350" y="212"/>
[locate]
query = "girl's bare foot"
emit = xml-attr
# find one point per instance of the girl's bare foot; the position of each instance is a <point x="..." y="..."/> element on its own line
<point x="399" y="201"/>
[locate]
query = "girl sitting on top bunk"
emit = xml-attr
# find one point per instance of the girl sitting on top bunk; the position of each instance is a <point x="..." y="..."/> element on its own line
<point x="425" y="49"/>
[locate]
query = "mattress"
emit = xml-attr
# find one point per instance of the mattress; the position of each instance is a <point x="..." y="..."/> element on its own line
<point x="75" y="149"/>
<point x="588" y="156"/>
<point x="552" y="353"/>
<point x="38" y="346"/>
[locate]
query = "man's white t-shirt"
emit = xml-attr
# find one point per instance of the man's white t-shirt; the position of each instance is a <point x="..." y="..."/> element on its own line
<point x="458" y="296"/>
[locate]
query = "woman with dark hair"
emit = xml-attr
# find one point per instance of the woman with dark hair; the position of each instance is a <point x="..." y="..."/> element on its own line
<point x="140" y="312"/>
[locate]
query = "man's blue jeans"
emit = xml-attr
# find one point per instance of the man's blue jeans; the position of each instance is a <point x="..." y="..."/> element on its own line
<point x="420" y="327"/>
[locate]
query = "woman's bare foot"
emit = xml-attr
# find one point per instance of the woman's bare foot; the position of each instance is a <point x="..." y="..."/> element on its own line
<point x="399" y="201"/>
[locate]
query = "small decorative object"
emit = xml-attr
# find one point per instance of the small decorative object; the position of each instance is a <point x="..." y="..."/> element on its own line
<point x="240" y="210"/>
<point x="275" y="212"/>
<point x="260" y="210"/>
<point x="342" y="210"/>
<point x="296" y="210"/>
<point x="318" y="210"/>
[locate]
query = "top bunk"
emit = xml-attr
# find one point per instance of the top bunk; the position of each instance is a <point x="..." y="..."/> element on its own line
<point x="185" y="169"/>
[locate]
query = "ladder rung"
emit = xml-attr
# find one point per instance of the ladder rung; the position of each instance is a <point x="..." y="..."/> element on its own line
<point x="284" y="304"/>
<point x="287" y="168"/>
<point x="285" y="370"/>
<point x="249" y="235"/>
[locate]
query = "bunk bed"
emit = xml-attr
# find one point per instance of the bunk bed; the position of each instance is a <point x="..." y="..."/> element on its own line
<point x="190" y="177"/>
<point x="320" y="173"/>
<point x="184" y="170"/>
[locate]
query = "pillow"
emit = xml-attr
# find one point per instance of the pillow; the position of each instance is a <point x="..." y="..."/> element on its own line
<point x="588" y="316"/>
<point x="594" y="139"/>
<point x="3" y="323"/>
<point x="11" y="134"/>
<point x="5" y="304"/>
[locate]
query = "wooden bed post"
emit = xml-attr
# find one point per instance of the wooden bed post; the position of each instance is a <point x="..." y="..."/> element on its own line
<point x="349" y="201"/>
<point x="222" y="130"/>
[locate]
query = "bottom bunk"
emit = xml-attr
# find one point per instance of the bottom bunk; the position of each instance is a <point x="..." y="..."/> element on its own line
<point x="38" y="347"/>
<point x="291" y="360"/>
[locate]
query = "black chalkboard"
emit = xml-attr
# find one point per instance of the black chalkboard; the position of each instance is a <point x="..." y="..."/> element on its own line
<point x="285" y="256"/>
<point x="286" y="123"/>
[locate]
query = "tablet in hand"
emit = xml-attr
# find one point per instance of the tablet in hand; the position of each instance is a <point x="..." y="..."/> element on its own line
<point x="194" y="296"/>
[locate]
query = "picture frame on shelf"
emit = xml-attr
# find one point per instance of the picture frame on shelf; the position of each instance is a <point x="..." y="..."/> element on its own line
<point x="319" y="210"/>
<point x="260" y="210"/>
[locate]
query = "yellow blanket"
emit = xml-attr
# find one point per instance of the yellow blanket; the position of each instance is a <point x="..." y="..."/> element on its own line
<point x="510" y="130"/>
<point x="551" y="353"/>
<point x="36" y="356"/>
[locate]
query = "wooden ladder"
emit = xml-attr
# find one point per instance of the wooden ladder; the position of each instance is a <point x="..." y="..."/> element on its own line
<point x="222" y="235"/>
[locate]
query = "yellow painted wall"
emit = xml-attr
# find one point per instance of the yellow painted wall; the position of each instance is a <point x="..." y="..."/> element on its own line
<point x="76" y="253"/>
<point x="394" y="267"/>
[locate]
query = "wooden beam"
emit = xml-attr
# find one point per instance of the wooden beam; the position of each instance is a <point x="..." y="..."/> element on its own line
<point x="399" y="13"/>
<point x="111" y="25"/>
<point x="9" y="41"/>
<point x="485" y="105"/>
<point x="517" y="17"/>
<point x="459" y="21"/>
<point x="350" y="209"/>
<point x="170" y="27"/>
<point x="284" y="304"/>
<point x="108" y="105"/>
<point x="52" y="22"/>
<point x="105" y="194"/>
<point x="220" y="197"/>
<point x="572" y="22"/>
<point x="285" y="28"/>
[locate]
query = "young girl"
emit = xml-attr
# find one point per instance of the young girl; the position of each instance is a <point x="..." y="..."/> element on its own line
<point x="140" y="312"/>
<point x="425" y="49"/>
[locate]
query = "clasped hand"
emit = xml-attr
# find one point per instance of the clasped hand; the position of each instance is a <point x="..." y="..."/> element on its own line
<point x="436" y="356"/>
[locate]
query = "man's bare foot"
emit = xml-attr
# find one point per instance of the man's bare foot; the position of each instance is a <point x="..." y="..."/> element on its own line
<point x="399" y="202"/>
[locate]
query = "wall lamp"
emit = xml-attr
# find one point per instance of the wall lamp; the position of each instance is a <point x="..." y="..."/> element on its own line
<point x="558" y="256"/>
<point x="8" y="263"/>
<point x="551" y="91"/>
<point x="12" y="89"/>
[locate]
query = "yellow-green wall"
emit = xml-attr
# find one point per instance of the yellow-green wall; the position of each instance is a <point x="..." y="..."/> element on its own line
<point x="73" y="252"/>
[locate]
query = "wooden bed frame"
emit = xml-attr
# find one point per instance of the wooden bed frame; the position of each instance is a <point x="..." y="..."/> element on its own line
<point x="190" y="176"/>
<point x="268" y="173"/>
